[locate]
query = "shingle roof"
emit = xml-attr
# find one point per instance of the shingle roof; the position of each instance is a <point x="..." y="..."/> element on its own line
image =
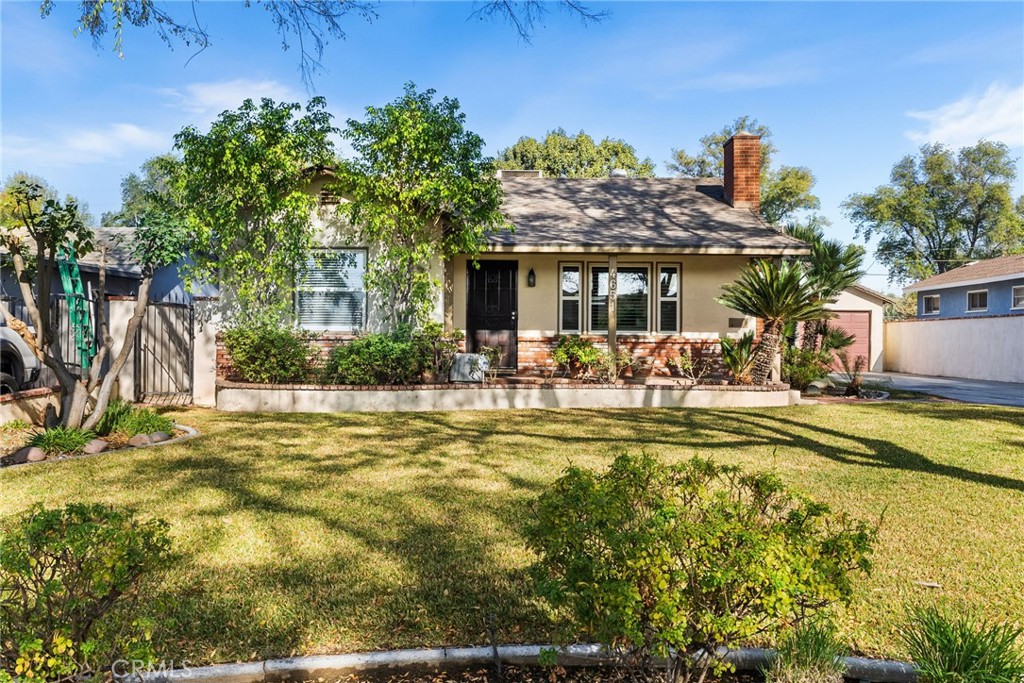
<point x="1001" y="268"/>
<point x="633" y="214"/>
<point x="118" y="242"/>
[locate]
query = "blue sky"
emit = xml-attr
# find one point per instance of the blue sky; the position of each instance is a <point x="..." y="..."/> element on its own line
<point x="847" y="88"/>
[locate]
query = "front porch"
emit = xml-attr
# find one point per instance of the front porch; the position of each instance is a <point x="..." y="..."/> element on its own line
<point x="657" y="305"/>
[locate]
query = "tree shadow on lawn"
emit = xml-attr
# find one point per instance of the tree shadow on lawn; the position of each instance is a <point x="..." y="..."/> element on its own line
<point x="770" y="428"/>
<point x="704" y="428"/>
<point x="424" y="564"/>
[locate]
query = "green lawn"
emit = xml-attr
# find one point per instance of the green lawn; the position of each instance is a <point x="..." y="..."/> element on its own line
<point x="327" y="533"/>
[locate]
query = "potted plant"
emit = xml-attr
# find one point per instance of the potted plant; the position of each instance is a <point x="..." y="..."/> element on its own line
<point x="642" y="368"/>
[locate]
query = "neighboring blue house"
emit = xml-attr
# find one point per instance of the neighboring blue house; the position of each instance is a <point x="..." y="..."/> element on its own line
<point x="983" y="288"/>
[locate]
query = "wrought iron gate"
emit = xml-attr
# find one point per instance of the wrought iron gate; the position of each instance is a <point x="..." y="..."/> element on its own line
<point x="163" y="354"/>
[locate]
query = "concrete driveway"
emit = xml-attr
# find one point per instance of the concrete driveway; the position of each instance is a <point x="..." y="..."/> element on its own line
<point x="966" y="390"/>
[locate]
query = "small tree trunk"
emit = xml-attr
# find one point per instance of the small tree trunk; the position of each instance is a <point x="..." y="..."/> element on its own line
<point x="810" y="337"/>
<point x="75" y="403"/>
<point x="107" y="385"/>
<point x="766" y="351"/>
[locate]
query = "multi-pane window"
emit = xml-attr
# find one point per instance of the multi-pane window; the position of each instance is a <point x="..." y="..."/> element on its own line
<point x="930" y="304"/>
<point x="1017" y="297"/>
<point x="571" y="297"/>
<point x="977" y="300"/>
<point x="668" y="299"/>
<point x="332" y="295"/>
<point x="631" y="302"/>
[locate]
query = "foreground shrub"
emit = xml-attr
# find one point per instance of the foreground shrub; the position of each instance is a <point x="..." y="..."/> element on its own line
<point x="652" y="558"/>
<point x="57" y="440"/>
<point x="268" y="353"/>
<point x="808" y="653"/>
<point x="62" y="572"/>
<point x="121" y="417"/>
<point x="949" y="648"/>
<point x="387" y="358"/>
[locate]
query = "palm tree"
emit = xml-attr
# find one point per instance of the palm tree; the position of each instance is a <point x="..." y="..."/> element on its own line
<point x="832" y="267"/>
<point x="775" y="295"/>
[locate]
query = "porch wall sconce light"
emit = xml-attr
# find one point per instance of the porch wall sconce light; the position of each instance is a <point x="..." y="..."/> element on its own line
<point x="531" y="278"/>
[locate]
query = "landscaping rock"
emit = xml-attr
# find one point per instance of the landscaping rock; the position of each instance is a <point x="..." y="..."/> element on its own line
<point x="157" y="437"/>
<point x="95" y="446"/>
<point x="140" y="440"/>
<point x="19" y="457"/>
<point x="35" y="454"/>
<point x="812" y="391"/>
<point x="823" y="384"/>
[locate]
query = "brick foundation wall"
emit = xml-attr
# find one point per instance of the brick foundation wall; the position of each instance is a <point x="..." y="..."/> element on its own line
<point x="323" y="343"/>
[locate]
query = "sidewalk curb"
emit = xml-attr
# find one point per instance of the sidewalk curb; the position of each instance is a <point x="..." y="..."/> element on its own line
<point x="334" y="667"/>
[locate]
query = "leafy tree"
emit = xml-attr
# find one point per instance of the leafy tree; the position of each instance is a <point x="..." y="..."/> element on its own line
<point x="244" y="191"/>
<point x="942" y="209"/>
<point x="831" y="267"/>
<point x="146" y="197"/>
<point x="420" y="190"/>
<point x="309" y="24"/>
<point x="904" y="307"/>
<point x="710" y="161"/>
<point x="34" y="226"/>
<point x="562" y="156"/>
<point x="784" y="190"/>
<point x="776" y="294"/>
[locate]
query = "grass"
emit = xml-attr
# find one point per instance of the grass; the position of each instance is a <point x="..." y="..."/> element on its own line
<point x="325" y="533"/>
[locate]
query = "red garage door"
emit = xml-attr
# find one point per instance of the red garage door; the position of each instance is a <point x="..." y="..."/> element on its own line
<point x="857" y="323"/>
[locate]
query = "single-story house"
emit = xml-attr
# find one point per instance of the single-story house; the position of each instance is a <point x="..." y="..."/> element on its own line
<point x="661" y="247"/>
<point x="990" y="287"/>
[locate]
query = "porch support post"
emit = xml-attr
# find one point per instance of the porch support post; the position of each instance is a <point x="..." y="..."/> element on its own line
<point x="613" y="291"/>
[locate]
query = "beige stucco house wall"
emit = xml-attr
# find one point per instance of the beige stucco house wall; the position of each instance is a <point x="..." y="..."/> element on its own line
<point x="702" y="280"/>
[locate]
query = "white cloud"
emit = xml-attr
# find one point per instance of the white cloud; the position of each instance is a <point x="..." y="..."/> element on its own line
<point x="996" y="115"/>
<point x="82" y="146"/>
<point x="210" y="99"/>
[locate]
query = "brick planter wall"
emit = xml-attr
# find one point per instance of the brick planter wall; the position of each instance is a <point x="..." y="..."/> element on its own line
<point x="323" y="343"/>
<point x="534" y="353"/>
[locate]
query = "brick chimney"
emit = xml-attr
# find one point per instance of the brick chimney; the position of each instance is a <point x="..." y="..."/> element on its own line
<point x="743" y="171"/>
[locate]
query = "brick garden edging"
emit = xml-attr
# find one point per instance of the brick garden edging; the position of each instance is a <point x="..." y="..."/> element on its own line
<point x="330" y="668"/>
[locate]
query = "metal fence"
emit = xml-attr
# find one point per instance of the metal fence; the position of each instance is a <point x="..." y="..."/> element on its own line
<point x="164" y="354"/>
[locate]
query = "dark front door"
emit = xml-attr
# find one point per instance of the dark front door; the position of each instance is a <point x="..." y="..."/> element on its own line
<point x="493" y="307"/>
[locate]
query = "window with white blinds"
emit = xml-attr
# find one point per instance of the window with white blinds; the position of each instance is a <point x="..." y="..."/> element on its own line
<point x="332" y="295"/>
<point x="632" y="299"/>
<point x="668" y="298"/>
<point x="571" y="298"/>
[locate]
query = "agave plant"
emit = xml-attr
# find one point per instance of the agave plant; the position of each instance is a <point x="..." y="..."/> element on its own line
<point x="775" y="294"/>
